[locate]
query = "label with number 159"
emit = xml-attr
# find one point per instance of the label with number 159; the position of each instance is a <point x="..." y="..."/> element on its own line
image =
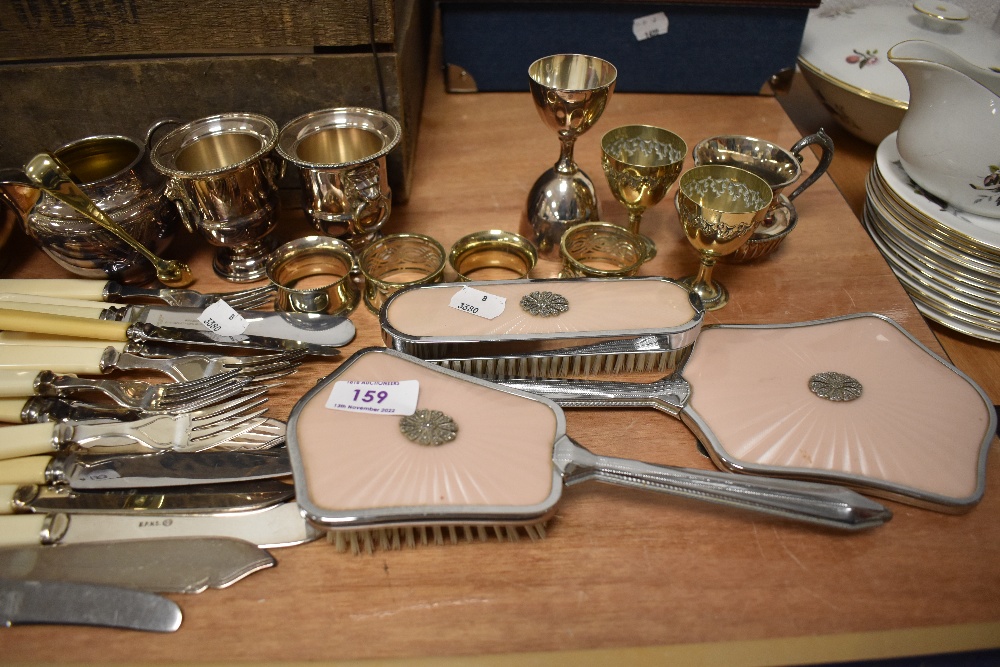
<point x="377" y="398"/>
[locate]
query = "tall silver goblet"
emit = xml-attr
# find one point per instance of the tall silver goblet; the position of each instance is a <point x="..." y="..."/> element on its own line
<point x="570" y="92"/>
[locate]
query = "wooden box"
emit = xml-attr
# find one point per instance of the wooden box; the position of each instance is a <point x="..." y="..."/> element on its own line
<point x="78" y="68"/>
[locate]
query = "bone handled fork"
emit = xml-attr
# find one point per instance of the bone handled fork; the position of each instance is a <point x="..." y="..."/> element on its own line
<point x="174" y="397"/>
<point x="99" y="358"/>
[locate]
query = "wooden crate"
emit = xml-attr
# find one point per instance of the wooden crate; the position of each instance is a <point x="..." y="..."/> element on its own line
<point x="78" y="68"/>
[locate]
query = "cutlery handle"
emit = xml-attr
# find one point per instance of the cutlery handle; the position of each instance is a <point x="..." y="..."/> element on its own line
<point x="21" y="338"/>
<point x="22" y="530"/>
<point x="74" y="308"/>
<point x="11" y="409"/>
<point x="25" y="470"/>
<point x="28" y="440"/>
<point x="14" y="384"/>
<point x="7" y="492"/>
<point x="59" y="359"/>
<point x="62" y="325"/>
<point x="63" y="288"/>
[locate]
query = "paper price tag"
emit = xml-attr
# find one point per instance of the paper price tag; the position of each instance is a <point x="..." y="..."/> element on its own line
<point x="479" y="303"/>
<point x="651" y="25"/>
<point x="221" y="319"/>
<point x="377" y="398"/>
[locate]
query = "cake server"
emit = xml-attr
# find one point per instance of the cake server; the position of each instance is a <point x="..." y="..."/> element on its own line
<point x="88" y="472"/>
<point x="169" y="565"/>
<point x="281" y="525"/>
<point x="32" y="602"/>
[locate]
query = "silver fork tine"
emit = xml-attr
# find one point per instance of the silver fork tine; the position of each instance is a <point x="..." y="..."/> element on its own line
<point x="246" y="299"/>
<point x="200" y="399"/>
<point x="189" y="387"/>
<point x="218" y="411"/>
<point x="269" y="433"/>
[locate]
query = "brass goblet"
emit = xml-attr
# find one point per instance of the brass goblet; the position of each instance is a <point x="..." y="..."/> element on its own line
<point x="641" y="162"/>
<point x="719" y="207"/>
<point x="570" y="92"/>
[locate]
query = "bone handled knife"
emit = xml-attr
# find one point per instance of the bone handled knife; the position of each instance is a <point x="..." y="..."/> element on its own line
<point x="83" y="327"/>
<point x="200" y="499"/>
<point x="155" y="469"/>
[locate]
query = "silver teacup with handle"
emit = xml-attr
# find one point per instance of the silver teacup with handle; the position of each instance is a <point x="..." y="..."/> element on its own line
<point x="780" y="168"/>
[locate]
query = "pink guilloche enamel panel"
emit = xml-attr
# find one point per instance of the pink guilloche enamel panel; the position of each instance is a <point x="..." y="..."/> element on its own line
<point x="919" y="426"/>
<point x="502" y="455"/>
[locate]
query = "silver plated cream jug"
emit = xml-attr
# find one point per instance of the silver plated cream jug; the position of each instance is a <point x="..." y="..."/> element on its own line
<point x="116" y="174"/>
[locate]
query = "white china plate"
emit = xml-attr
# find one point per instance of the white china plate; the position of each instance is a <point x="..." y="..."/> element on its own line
<point x="982" y="231"/>
<point x="930" y="239"/>
<point x="989" y="301"/>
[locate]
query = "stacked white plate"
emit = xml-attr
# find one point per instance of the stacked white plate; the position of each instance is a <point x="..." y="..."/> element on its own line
<point x="948" y="260"/>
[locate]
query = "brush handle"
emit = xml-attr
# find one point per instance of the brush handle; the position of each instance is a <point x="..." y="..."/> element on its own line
<point x="62" y="325"/>
<point x="811" y="502"/>
<point x="669" y="394"/>
<point x="28" y="440"/>
<point x="59" y="359"/>
<point x="25" y="470"/>
<point x="63" y="288"/>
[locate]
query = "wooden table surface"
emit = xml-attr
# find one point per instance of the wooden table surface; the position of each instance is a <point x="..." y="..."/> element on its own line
<point x="622" y="575"/>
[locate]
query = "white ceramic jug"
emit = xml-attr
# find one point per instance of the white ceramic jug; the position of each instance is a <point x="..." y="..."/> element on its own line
<point x="949" y="140"/>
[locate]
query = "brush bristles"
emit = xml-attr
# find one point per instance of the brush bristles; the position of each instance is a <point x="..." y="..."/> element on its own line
<point x="499" y="368"/>
<point x="394" y="539"/>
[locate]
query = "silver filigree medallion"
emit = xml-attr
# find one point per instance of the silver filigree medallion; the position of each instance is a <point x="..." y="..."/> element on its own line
<point x="835" y="386"/>
<point x="430" y="428"/>
<point x="544" y="304"/>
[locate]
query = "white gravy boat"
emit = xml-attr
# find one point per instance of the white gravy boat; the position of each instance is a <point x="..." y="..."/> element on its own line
<point x="949" y="140"/>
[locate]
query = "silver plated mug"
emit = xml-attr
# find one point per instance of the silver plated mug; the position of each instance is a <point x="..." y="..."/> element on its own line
<point x="223" y="178"/>
<point x="341" y="156"/>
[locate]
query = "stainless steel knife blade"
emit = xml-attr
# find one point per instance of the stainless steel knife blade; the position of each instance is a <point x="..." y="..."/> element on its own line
<point x="90" y="472"/>
<point x="66" y="603"/>
<point x="202" y="499"/>
<point x="309" y="328"/>
<point x="169" y="565"/>
<point x="278" y="526"/>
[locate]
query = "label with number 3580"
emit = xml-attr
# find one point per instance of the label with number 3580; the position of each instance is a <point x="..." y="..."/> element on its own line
<point x="477" y="302"/>
<point x="377" y="398"/>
